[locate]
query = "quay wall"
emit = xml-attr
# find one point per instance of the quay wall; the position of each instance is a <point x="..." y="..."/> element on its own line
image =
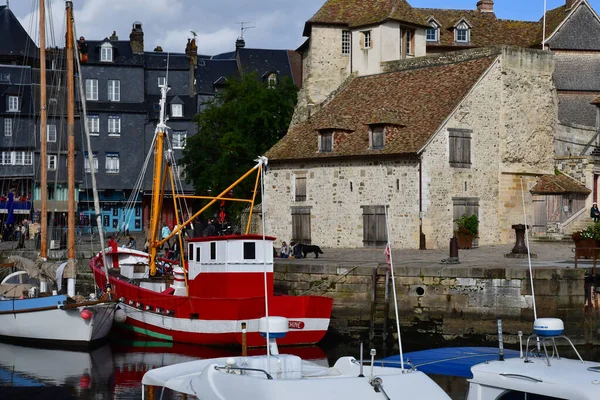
<point x="449" y="301"/>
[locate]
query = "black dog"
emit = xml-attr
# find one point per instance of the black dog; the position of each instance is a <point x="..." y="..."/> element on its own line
<point x="307" y="248"/>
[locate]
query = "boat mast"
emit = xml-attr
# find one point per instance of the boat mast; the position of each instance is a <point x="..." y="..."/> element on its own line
<point x="43" y="144"/>
<point x="157" y="182"/>
<point x="70" y="271"/>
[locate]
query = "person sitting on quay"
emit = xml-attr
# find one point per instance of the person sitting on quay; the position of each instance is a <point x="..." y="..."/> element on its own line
<point x="284" y="252"/>
<point x="595" y="212"/>
<point x="131" y="244"/>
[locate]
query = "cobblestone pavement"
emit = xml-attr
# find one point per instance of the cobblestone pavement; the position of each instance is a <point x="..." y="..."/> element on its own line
<point x="549" y="254"/>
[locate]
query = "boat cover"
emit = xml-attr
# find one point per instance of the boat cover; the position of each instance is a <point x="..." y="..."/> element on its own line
<point x="452" y="361"/>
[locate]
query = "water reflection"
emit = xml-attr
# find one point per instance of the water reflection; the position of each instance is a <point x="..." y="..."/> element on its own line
<point x="115" y="370"/>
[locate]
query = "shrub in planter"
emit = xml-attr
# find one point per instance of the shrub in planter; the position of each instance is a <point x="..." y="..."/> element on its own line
<point x="467" y="229"/>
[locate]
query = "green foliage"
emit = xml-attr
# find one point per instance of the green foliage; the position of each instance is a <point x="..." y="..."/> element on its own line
<point x="245" y="120"/>
<point x="468" y="225"/>
<point x="590" y="232"/>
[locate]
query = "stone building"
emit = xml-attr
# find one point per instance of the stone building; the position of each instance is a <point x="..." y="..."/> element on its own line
<point x="433" y="138"/>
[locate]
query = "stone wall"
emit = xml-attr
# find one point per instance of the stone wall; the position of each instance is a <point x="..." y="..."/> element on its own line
<point x="571" y="139"/>
<point x="449" y="301"/>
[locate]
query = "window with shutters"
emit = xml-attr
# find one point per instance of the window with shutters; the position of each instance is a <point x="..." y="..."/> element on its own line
<point x="366" y="35"/>
<point x="300" y="187"/>
<point x="374" y="231"/>
<point x="326" y="141"/>
<point x="465" y="206"/>
<point x="460" y="147"/>
<point x="301" y="225"/>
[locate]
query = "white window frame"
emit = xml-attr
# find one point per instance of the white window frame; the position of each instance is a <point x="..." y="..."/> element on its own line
<point x="6" y="158"/>
<point x="462" y="27"/>
<point x="346" y="42"/>
<point x="93" y="122"/>
<point x="91" y="89"/>
<point x="366" y="39"/>
<point x="19" y="158"/>
<point x="162" y="81"/>
<point x="272" y="80"/>
<point x="408" y="45"/>
<point x="113" y="163"/>
<point x="51" y="133"/>
<point x="8" y="127"/>
<point x="322" y="137"/>
<point x="179" y="139"/>
<point x="177" y="110"/>
<point x="13" y="103"/>
<point x="114" y="90"/>
<point x="52" y="162"/>
<point x="106" y="53"/>
<point x="436" y="31"/>
<point x="114" y="125"/>
<point x="86" y="162"/>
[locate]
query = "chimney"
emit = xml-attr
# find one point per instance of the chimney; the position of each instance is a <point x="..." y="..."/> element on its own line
<point x="240" y="43"/>
<point x="113" y="36"/>
<point x="486" y="6"/>
<point x="136" y="38"/>
<point x="158" y="49"/>
<point x="191" y="52"/>
<point x="571" y="3"/>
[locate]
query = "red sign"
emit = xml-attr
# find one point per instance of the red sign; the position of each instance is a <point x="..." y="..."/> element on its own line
<point x="295" y="324"/>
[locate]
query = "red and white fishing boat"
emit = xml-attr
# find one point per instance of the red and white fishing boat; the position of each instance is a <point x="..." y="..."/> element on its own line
<point x="217" y="284"/>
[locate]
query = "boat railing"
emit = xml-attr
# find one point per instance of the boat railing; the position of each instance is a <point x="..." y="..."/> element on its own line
<point x="228" y="368"/>
<point x="543" y="340"/>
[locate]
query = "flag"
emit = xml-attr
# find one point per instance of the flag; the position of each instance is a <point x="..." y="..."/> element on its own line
<point x="387" y="253"/>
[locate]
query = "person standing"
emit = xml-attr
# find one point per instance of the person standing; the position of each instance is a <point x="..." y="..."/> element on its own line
<point x="165" y="232"/>
<point x="595" y="212"/>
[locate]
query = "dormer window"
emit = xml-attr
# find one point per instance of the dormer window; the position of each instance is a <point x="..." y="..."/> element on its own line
<point x="272" y="80"/>
<point x="433" y="32"/>
<point x="377" y="137"/>
<point x="462" y="33"/>
<point x="106" y="53"/>
<point x="176" y="110"/>
<point x="326" y="141"/>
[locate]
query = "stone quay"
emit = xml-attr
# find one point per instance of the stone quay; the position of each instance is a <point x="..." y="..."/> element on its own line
<point x="449" y="301"/>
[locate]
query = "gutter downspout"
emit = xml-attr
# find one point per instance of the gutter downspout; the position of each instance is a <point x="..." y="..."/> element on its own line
<point x="422" y="239"/>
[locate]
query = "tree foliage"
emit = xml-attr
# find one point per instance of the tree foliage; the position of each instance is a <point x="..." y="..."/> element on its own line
<point x="240" y="124"/>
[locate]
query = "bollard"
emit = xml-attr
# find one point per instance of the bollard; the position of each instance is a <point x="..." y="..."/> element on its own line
<point x="454" y="247"/>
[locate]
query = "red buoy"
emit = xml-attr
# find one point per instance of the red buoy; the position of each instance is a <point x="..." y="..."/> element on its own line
<point x="87" y="314"/>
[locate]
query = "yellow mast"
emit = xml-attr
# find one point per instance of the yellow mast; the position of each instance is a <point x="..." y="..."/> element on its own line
<point x="70" y="271"/>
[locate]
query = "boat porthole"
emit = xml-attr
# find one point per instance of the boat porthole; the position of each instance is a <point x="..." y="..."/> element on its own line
<point x="420" y="291"/>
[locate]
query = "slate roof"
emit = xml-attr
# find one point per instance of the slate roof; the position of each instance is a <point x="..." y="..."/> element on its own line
<point x="211" y="71"/>
<point x="558" y="184"/>
<point x="158" y="60"/>
<point x="486" y="29"/>
<point x="577" y="108"/>
<point x="15" y="40"/>
<point x="122" y="53"/>
<point x="189" y="106"/>
<point x="354" y="13"/>
<point x="434" y="92"/>
<point x="264" y="61"/>
<point x="577" y="71"/>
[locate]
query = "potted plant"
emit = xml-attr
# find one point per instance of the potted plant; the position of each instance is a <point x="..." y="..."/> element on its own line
<point x="467" y="229"/>
<point x="586" y="239"/>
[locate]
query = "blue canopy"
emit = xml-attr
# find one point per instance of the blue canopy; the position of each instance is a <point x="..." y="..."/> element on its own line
<point x="10" y="219"/>
<point x="452" y="361"/>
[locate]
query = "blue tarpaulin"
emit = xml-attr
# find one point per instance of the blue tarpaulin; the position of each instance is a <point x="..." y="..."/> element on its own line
<point x="452" y="361"/>
<point x="10" y="219"/>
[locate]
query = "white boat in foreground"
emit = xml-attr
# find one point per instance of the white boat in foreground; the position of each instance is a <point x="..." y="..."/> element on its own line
<point x="538" y="375"/>
<point x="278" y="376"/>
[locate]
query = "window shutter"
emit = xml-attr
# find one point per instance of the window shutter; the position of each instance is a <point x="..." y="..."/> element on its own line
<point x="362" y="40"/>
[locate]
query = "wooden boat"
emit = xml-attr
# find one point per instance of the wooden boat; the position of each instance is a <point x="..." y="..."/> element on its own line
<point x="57" y="318"/>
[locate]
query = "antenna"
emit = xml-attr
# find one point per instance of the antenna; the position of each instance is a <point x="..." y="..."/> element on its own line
<point x="244" y="28"/>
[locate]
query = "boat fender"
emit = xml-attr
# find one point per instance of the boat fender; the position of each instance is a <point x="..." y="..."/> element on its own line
<point x="87" y="314"/>
<point x="120" y="315"/>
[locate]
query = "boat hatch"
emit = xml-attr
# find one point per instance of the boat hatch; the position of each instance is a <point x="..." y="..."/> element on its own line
<point x="594" y="369"/>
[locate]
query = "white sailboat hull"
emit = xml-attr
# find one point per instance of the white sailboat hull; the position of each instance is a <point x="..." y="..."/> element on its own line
<point x="45" y="324"/>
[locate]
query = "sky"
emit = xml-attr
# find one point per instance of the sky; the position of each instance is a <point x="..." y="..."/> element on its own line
<point x="276" y="24"/>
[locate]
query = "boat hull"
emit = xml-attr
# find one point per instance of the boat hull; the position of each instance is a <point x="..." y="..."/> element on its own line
<point x="214" y="321"/>
<point x="41" y="320"/>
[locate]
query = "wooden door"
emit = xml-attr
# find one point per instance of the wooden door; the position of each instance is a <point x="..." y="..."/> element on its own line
<point x="540" y="215"/>
<point x="301" y="225"/>
<point x="374" y="230"/>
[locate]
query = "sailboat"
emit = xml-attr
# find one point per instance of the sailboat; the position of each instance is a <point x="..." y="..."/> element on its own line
<point x="57" y="318"/>
<point x="215" y="285"/>
<point x="277" y="376"/>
